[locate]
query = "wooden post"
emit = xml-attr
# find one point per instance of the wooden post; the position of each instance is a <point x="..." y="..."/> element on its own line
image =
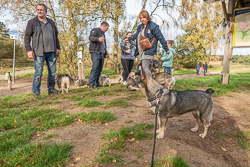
<point x="228" y="50"/>
<point x="80" y="56"/>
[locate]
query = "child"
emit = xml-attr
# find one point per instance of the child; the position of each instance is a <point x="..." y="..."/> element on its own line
<point x="197" y="68"/>
<point x="201" y="69"/>
<point x="168" y="58"/>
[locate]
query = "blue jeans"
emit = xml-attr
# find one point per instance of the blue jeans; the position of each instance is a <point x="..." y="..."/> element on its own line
<point x="167" y="69"/>
<point x="50" y="59"/>
<point x="97" y="63"/>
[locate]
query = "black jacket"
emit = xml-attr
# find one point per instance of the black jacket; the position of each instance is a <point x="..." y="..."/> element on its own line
<point x="94" y="46"/>
<point x="34" y="30"/>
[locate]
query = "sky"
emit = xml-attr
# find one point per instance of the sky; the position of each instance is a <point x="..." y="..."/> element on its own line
<point x="132" y="9"/>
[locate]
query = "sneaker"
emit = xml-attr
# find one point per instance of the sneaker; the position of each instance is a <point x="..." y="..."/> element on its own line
<point x="98" y="86"/>
<point x="54" y="92"/>
<point x="124" y="83"/>
<point x="36" y="95"/>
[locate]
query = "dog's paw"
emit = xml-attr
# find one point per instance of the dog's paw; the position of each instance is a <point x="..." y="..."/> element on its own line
<point x="202" y="136"/>
<point x="158" y="131"/>
<point x="194" y="129"/>
<point x="160" y="136"/>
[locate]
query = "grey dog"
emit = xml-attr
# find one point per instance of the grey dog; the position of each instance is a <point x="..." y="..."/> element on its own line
<point x="173" y="103"/>
<point x="63" y="82"/>
<point x="104" y="79"/>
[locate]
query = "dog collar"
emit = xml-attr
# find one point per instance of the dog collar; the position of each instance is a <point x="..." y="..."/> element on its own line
<point x="157" y="97"/>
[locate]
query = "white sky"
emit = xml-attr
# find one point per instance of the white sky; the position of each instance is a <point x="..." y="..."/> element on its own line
<point x="133" y="9"/>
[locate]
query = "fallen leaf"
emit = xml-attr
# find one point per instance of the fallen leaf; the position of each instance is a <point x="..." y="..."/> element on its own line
<point x="146" y="161"/>
<point x="100" y="122"/>
<point x="106" y="123"/>
<point x="72" y="164"/>
<point x="15" y="121"/>
<point x="223" y="149"/>
<point x="131" y="139"/>
<point x="137" y="142"/>
<point x="78" y="158"/>
<point x="46" y="160"/>
<point x="38" y="134"/>
<point x="114" y="160"/>
<point x="67" y="116"/>
<point x="14" y="126"/>
<point x="39" y="146"/>
<point x="131" y="133"/>
<point x="115" y="138"/>
<point x="107" y="151"/>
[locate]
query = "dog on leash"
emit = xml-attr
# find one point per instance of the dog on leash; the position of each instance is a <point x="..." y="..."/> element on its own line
<point x="81" y="82"/>
<point x="63" y="82"/>
<point x="173" y="103"/>
<point x="104" y="79"/>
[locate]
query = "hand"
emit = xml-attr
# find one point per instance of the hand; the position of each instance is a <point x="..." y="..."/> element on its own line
<point x="58" y="52"/>
<point x="167" y="52"/>
<point x="126" y="40"/>
<point x="136" y="59"/>
<point x="101" y="39"/>
<point x="161" y="59"/>
<point x="107" y="56"/>
<point x="127" y="51"/>
<point x="31" y="54"/>
<point x="131" y="74"/>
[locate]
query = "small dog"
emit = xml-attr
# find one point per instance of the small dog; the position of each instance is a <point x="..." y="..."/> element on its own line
<point x="173" y="103"/>
<point x="81" y="82"/>
<point x="104" y="79"/>
<point x="63" y="82"/>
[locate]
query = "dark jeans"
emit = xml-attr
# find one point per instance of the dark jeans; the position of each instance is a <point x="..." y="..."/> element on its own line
<point x="205" y="71"/>
<point x="167" y="69"/>
<point x="50" y="59"/>
<point x="127" y="67"/>
<point x="97" y="63"/>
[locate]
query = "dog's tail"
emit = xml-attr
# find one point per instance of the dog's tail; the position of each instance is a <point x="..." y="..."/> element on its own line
<point x="211" y="91"/>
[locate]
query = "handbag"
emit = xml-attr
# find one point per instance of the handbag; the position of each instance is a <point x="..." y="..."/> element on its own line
<point x="144" y="42"/>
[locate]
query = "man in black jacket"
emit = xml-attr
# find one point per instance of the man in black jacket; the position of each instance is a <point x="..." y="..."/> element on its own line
<point x="45" y="46"/>
<point x="98" y="51"/>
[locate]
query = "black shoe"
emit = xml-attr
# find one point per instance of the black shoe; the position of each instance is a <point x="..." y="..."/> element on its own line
<point x="99" y="86"/>
<point x="54" y="92"/>
<point x="36" y="95"/>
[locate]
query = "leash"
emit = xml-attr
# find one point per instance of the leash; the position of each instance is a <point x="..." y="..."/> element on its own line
<point x="156" y="112"/>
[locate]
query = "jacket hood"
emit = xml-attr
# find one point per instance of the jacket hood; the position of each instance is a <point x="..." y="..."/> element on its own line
<point x="172" y="50"/>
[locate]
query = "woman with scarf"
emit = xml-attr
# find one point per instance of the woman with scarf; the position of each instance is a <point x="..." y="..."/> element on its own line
<point x="127" y="57"/>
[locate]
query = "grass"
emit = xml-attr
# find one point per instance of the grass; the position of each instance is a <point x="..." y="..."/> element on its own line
<point x="171" y="162"/>
<point x="89" y="103"/>
<point x="48" y="102"/>
<point x="50" y="136"/>
<point x="7" y="65"/>
<point x="237" y="80"/>
<point x="244" y="140"/>
<point x="97" y="117"/>
<point x="117" y="102"/>
<point x="118" y="140"/>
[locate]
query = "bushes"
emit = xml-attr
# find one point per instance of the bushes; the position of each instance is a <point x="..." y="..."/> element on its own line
<point x="242" y="60"/>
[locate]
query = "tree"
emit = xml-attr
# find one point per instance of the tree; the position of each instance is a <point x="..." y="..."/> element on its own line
<point x="202" y="32"/>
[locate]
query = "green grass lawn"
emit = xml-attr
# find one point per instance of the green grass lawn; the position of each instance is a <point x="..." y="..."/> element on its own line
<point x="7" y="65"/>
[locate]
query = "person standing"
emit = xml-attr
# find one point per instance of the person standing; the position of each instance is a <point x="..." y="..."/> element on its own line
<point x="205" y="68"/>
<point x="168" y="58"/>
<point x="127" y="57"/>
<point x="43" y="34"/>
<point x="98" y="51"/>
<point x="152" y="31"/>
<point x="197" y="68"/>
